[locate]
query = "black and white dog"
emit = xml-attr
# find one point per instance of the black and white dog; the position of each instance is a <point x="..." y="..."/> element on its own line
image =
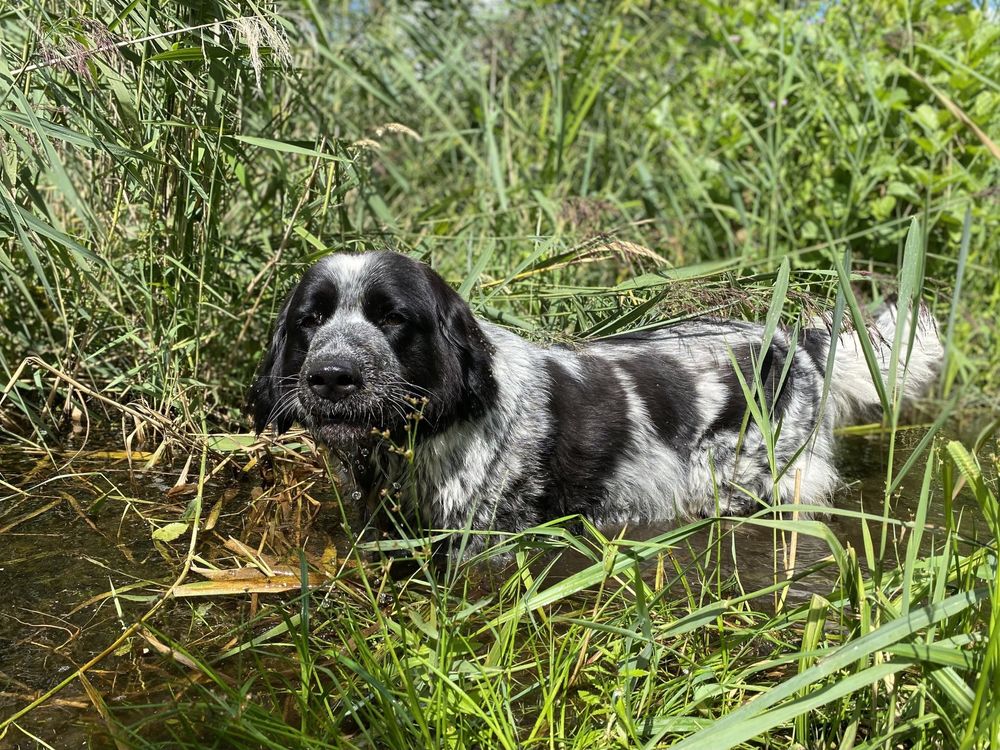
<point x="641" y="427"/>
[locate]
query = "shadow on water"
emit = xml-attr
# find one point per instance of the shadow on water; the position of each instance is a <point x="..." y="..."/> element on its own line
<point x="78" y="565"/>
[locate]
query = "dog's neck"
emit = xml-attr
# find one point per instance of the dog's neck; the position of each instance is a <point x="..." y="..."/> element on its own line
<point x="404" y="476"/>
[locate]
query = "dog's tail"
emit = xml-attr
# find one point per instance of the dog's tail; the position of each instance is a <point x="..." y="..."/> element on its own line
<point x="853" y="395"/>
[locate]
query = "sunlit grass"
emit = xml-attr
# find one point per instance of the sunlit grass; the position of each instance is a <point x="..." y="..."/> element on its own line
<point x="575" y="170"/>
<point x="643" y="645"/>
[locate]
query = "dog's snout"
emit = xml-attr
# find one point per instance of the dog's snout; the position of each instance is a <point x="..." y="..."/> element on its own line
<point x="334" y="379"/>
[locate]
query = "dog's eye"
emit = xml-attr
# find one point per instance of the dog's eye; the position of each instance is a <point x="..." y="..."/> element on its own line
<point x="311" y="320"/>
<point x="392" y="319"/>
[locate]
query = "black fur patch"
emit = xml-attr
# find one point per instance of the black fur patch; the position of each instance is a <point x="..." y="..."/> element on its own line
<point x="670" y="395"/>
<point x="816" y="343"/>
<point x="590" y="432"/>
<point x="273" y="385"/>
<point x="771" y="371"/>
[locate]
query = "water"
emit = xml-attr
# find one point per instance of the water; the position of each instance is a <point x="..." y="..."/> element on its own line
<point x="70" y="536"/>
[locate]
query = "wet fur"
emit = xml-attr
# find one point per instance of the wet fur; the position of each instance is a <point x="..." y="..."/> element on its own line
<point x="642" y="427"/>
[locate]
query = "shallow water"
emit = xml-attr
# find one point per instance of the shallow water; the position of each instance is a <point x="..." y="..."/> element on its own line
<point x="78" y="565"/>
<point x="744" y="557"/>
<point x="71" y="536"/>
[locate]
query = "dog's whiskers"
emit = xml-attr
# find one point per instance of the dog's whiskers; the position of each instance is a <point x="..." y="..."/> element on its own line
<point x="397" y="381"/>
<point x="286" y="405"/>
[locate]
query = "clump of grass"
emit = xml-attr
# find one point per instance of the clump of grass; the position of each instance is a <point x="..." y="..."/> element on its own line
<point x="169" y="171"/>
<point x="655" y="642"/>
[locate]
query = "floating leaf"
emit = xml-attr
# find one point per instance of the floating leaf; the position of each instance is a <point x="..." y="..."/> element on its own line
<point x="170" y="532"/>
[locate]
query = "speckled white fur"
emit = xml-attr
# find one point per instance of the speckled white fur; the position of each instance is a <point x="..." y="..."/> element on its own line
<point x="466" y="472"/>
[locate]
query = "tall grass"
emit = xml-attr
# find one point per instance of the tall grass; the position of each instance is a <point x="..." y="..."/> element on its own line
<point x="577" y="169"/>
<point x="168" y="170"/>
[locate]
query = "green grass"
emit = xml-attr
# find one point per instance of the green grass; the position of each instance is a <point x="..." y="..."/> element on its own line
<point x="576" y="170"/>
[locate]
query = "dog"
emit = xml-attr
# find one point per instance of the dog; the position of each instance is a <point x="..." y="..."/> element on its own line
<point x="386" y="365"/>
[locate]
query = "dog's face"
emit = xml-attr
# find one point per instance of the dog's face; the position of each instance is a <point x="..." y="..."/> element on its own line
<point x="365" y="340"/>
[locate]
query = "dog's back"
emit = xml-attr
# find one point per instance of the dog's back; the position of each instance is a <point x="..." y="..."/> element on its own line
<point x="908" y="378"/>
<point x="686" y="421"/>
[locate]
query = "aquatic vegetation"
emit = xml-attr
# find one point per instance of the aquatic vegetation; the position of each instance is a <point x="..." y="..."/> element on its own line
<point x="575" y="170"/>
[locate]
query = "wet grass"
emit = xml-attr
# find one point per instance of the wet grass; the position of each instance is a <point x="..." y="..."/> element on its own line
<point x="575" y="170"/>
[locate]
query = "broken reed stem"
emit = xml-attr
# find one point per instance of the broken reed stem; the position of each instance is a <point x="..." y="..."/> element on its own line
<point x="165" y="425"/>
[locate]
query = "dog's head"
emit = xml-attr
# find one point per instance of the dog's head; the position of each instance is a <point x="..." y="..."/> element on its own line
<point x="363" y="341"/>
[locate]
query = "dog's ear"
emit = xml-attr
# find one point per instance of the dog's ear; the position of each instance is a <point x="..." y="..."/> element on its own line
<point x="462" y="332"/>
<point x="271" y="387"/>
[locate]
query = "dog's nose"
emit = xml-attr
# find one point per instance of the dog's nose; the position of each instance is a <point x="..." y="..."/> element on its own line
<point x="334" y="380"/>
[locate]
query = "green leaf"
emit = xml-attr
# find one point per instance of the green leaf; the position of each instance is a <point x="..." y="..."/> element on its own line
<point x="181" y="54"/>
<point x="170" y="532"/>
<point x="288" y="147"/>
<point x="965" y="462"/>
<point x="756" y="716"/>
